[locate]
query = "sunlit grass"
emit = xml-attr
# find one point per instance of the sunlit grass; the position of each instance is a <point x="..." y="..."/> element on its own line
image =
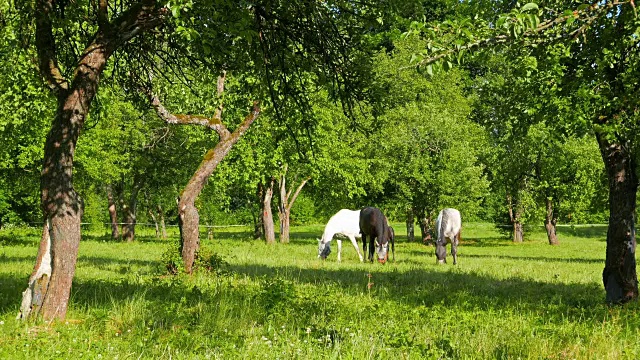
<point x="503" y="300"/>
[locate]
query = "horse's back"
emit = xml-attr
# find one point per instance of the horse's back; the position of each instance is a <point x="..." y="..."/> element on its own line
<point x="345" y="222"/>
<point x="372" y="222"/>
<point x="452" y="225"/>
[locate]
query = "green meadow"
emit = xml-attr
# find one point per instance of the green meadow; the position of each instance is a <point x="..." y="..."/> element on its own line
<point x="254" y="301"/>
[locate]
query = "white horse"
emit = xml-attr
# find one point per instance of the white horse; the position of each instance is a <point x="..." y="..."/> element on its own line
<point x="448" y="225"/>
<point x="345" y="222"/>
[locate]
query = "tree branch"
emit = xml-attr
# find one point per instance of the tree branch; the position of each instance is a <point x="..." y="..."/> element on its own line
<point x="103" y="13"/>
<point x="46" y="48"/>
<point x="212" y="123"/>
<point x="590" y="14"/>
<point x="295" y="195"/>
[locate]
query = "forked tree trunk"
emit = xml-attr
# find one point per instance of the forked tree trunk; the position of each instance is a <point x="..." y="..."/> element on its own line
<point x="188" y="217"/>
<point x="619" y="274"/>
<point x="267" y="214"/>
<point x="287" y="199"/>
<point x="410" y="227"/>
<point x="550" y="223"/>
<point x="113" y="215"/>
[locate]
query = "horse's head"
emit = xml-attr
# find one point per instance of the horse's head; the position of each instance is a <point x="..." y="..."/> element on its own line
<point x="382" y="249"/>
<point x="441" y="252"/>
<point x="324" y="249"/>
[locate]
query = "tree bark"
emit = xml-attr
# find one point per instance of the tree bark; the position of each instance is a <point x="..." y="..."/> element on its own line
<point x="155" y="223"/>
<point x="619" y="274"/>
<point x="514" y="216"/>
<point x="286" y="203"/>
<point x="163" y="227"/>
<point x="113" y="215"/>
<point x="267" y="215"/>
<point x="410" y="227"/>
<point x="130" y="211"/>
<point x="550" y="223"/>
<point x="425" y="226"/>
<point x="258" y="221"/>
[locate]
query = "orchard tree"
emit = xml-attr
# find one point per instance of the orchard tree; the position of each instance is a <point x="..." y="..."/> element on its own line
<point x="74" y="42"/>
<point x="598" y="76"/>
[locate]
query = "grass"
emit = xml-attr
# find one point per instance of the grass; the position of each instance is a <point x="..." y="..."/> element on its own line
<point x="502" y="300"/>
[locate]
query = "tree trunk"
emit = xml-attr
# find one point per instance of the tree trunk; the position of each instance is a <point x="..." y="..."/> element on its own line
<point x="619" y="274"/>
<point x="284" y="226"/>
<point x="62" y="207"/>
<point x="188" y="217"/>
<point x="113" y="215"/>
<point x="518" y="232"/>
<point x="425" y="226"/>
<point x="410" y="227"/>
<point x="287" y="199"/>
<point x="258" y="221"/>
<point x="514" y="216"/>
<point x="163" y="227"/>
<point x="550" y="223"/>
<point x="130" y="211"/>
<point x="155" y="223"/>
<point x="267" y="215"/>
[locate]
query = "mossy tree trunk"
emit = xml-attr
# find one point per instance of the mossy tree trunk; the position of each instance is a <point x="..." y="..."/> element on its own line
<point x="188" y="217"/>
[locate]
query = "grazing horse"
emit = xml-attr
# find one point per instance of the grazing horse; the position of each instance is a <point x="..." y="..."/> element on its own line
<point x="374" y="224"/>
<point x="344" y="222"/>
<point x="448" y="225"/>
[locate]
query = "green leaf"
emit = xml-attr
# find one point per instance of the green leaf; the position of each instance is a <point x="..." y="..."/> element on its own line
<point x="429" y="69"/>
<point x="529" y="6"/>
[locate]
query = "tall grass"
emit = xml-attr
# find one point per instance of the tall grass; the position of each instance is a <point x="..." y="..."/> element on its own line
<point x="502" y="300"/>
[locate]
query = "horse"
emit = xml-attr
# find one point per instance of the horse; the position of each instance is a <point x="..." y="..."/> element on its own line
<point x="374" y="224"/>
<point x="448" y="225"/>
<point x="344" y="222"/>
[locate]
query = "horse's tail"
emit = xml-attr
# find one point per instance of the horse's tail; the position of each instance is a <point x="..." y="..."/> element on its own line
<point x="444" y="219"/>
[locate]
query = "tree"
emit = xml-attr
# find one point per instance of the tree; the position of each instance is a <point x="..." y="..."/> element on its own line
<point x="599" y="74"/>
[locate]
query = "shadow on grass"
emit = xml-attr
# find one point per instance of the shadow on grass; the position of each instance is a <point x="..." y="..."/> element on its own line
<point x="536" y="258"/>
<point x="594" y="231"/>
<point x="429" y="287"/>
<point x="415" y="287"/>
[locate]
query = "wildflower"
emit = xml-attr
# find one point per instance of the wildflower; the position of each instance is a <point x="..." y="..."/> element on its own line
<point x="308" y="330"/>
<point x="1" y="322"/>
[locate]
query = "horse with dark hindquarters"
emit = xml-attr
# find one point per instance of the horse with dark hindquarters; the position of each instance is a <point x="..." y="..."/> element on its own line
<point x="374" y="225"/>
<point x="448" y="225"/>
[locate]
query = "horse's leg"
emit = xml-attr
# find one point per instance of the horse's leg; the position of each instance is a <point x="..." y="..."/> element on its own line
<point x="339" y="249"/>
<point x="454" y="249"/>
<point x="355" y="245"/>
<point x="371" y="247"/>
<point x="393" y="249"/>
<point x="364" y="244"/>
